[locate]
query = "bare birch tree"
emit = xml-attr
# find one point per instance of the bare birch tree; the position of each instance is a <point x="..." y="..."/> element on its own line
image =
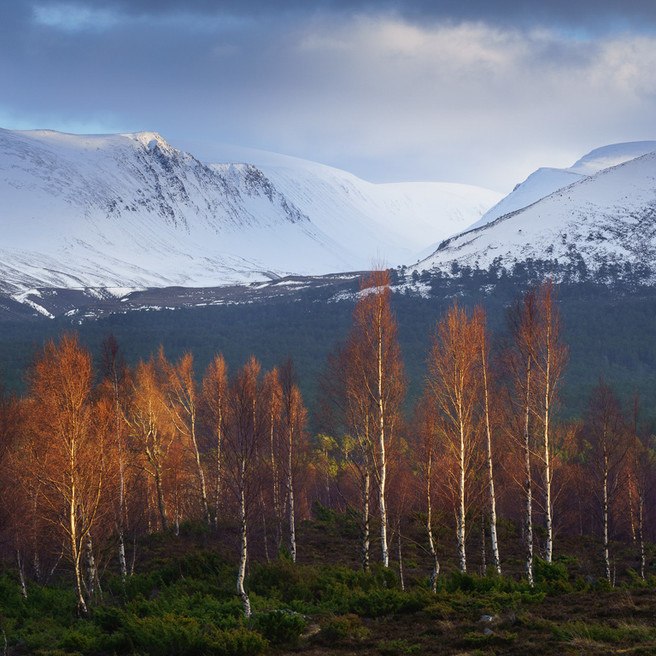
<point x="519" y="367"/>
<point x="272" y="399"/>
<point x="293" y="426"/>
<point x="352" y="413"/>
<point x="485" y="371"/>
<point x="549" y="354"/>
<point x="116" y="385"/>
<point x="215" y="404"/>
<point x="454" y="384"/>
<point x="377" y="362"/>
<point x="183" y="407"/>
<point x="427" y="426"/>
<point x="244" y="445"/>
<point x="69" y="460"/>
<point x="606" y="433"/>
<point x="150" y="426"/>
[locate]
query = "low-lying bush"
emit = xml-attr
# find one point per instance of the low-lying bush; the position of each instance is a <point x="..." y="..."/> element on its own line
<point x="280" y="627"/>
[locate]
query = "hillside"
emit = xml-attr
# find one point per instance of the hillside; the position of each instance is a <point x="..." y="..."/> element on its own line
<point x="122" y="212"/>
<point x="601" y="221"/>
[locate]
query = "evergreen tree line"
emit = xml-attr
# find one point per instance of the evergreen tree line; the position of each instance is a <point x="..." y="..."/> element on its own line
<point x="96" y="456"/>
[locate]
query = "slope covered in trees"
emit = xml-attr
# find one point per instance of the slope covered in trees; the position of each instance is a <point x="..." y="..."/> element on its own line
<point x="125" y="451"/>
<point x="486" y="470"/>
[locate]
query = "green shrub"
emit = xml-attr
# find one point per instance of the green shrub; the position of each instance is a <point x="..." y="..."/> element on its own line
<point x="603" y="584"/>
<point x="343" y="627"/>
<point x="280" y="627"/>
<point x="191" y="528"/>
<point x="636" y="580"/>
<point x="380" y="602"/>
<point x="177" y="635"/>
<point x="549" y="573"/>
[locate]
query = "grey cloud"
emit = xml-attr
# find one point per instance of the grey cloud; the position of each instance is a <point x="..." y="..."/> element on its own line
<point x="386" y="97"/>
<point x="596" y="14"/>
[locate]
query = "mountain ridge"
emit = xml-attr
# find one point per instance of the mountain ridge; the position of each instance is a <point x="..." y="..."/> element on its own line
<point x="606" y="218"/>
<point x="132" y="211"/>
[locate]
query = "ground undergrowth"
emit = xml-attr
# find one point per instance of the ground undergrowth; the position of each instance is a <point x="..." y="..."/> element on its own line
<point x="182" y="601"/>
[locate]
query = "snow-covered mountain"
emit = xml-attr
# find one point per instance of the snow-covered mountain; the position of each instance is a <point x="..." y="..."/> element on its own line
<point x="605" y="216"/>
<point x="547" y="180"/>
<point x="131" y="211"/>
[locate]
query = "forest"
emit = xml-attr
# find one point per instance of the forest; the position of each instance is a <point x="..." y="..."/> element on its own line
<point x="171" y="512"/>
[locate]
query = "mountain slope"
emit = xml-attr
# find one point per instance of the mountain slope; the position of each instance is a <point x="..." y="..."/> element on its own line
<point x="131" y="211"/>
<point x="608" y="218"/>
<point x="546" y="181"/>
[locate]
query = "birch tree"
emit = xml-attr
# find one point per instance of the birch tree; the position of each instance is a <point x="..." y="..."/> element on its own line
<point x="454" y="384"/>
<point x="606" y="433"/>
<point x="183" y="407"/>
<point x="215" y="405"/>
<point x="427" y="426"/>
<point x="69" y="458"/>
<point x="244" y="446"/>
<point x="549" y="354"/>
<point x="377" y="362"/>
<point x="293" y="427"/>
<point x="116" y="382"/>
<point x="482" y="340"/>
<point x="272" y="399"/>
<point x="352" y="412"/>
<point x="150" y="426"/>
<point x="519" y="368"/>
<point x="640" y="465"/>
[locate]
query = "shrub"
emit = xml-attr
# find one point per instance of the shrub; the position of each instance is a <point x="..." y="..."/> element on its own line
<point x="343" y="627"/>
<point x="280" y="627"/>
<point x="554" y="575"/>
<point x="381" y="601"/>
<point x="177" y="635"/>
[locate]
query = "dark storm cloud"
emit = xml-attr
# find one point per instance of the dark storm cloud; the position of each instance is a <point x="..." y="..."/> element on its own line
<point x="472" y="92"/>
<point x="554" y="9"/>
<point x="598" y="14"/>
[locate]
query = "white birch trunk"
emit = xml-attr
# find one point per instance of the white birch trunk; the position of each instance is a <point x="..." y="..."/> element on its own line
<point x="121" y="557"/>
<point x="76" y="555"/>
<point x="641" y="535"/>
<point x="547" y="451"/>
<point x="21" y="573"/>
<point x="277" y="506"/>
<point x="121" y="484"/>
<point x="461" y="504"/>
<point x="217" y="487"/>
<point x="160" y="496"/>
<point x="365" y="519"/>
<point x="290" y="496"/>
<point x="398" y="541"/>
<point x="201" y="473"/>
<point x="243" y="554"/>
<point x="490" y="471"/>
<point x="381" y="448"/>
<point x="527" y="470"/>
<point x="429" y="528"/>
<point x="92" y="574"/>
<point x="605" y="517"/>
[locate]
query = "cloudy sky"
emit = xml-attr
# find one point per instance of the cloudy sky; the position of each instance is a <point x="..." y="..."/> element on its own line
<point x="475" y="91"/>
